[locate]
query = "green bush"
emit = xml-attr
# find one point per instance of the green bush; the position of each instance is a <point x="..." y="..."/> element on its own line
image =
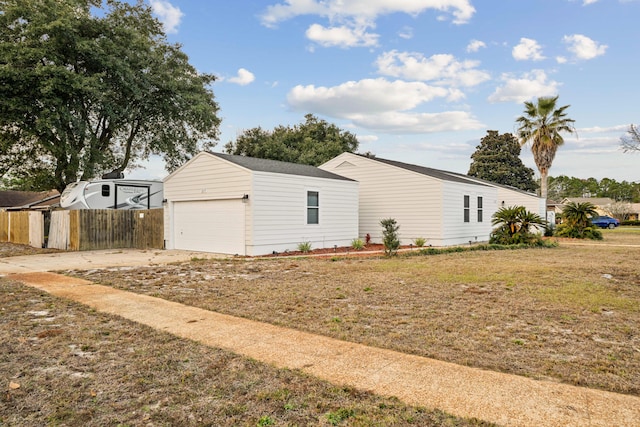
<point x="573" y="232"/>
<point x="634" y="223"/>
<point x="390" y="236"/>
<point x="420" y="241"/>
<point x="304" y="247"/>
<point x="357" y="244"/>
<point x="515" y="225"/>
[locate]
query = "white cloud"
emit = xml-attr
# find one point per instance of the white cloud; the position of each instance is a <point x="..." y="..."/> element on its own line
<point x="443" y="69"/>
<point x="530" y="85"/>
<point x="341" y="36"/>
<point x="588" y="2"/>
<point x="168" y="14"/>
<point x="406" y="33"/>
<point x="397" y="122"/>
<point x="475" y="45"/>
<point x="583" y="48"/>
<point x="528" y="49"/>
<point x="366" y="139"/>
<point x="243" y="78"/>
<point x="369" y="10"/>
<point x="382" y="105"/>
<point x="561" y="60"/>
<point x="598" y="129"/>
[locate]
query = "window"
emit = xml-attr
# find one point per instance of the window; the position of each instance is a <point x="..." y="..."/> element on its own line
<point x="313" y="207"/>
<point x="106" y="191"/>
<point x="479" y="208"/>
<point x="466" y="208"/>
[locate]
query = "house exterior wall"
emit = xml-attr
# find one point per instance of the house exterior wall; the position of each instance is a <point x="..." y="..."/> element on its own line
<point x="415" y="201"/>
<point x="279" y="205"/>
<point x="206" y="177"/>
<point x="531" y="202"/>
<point x="455" y="230"/>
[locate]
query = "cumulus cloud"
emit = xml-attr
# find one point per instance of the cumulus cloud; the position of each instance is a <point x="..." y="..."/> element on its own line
<point x="351" y="20"/>
<point x="342" y="36"/>
<point x="527" y="50"/>
<point x="243" y="78"/>
<point x="382" y="105"/>
<point x="524" y="88"/>
<point x="337" y="10"/>
<point x="475" y="45"/>
<point x="582" y="47"/>
<point x="442" y="69"/>
<point x="168" y="14"/>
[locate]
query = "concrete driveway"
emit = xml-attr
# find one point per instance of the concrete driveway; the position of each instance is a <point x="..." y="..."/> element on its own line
<point x="97" y="259"/>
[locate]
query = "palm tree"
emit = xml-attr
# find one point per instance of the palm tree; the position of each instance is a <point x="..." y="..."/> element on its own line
<point x="541" y="125"/>
<point x="515" y="224"/>
<point x="579" y="214"/>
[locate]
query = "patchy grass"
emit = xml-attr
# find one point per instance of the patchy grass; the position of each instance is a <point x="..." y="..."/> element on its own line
<point x="64" y="364"/>
<point x="565" y="314"/>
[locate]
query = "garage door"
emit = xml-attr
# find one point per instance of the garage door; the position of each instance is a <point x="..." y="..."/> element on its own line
<point x="209" y="226"/>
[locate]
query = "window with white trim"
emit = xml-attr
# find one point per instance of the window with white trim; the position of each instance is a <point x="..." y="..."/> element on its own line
<point x="479" y="208"/>
<point x="466" y="208"/>
<point x="313" y="207"/>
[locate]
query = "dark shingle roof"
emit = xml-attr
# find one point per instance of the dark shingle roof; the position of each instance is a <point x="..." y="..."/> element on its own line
<point x="11" y="198"/>
<point x="275" y="166"/>
<point x="434" y="173"/>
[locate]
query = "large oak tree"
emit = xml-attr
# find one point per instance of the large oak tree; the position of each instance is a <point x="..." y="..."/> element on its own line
<point x="88" y="86"/>
<point x="313" y="142"/>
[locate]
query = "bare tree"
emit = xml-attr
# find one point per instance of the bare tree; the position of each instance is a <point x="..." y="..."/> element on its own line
<point x="631" y="141"/>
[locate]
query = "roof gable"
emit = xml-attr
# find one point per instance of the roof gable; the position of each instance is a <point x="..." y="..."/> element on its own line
<point x="433" y="173"/>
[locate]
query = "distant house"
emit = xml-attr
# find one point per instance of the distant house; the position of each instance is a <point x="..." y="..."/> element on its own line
<point x="22" y="200"/>
<point x="446" y="208"/>
<point x="247" y="206"/>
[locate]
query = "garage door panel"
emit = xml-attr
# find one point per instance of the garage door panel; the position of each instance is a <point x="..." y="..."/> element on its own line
<point x="210" y="226"/>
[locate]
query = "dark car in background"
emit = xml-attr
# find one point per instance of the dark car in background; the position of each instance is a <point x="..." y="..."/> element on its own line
<point x="605" y="222"/>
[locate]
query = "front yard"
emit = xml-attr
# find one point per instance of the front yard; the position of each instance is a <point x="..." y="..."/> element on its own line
<point x="567" y="314"/>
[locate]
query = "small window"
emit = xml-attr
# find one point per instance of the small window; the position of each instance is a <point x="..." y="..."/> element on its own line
<point x="466" y="208"/>
<point x="106" y="190"/>
<point x="479" y="208"/>
<point x="313" y="207"/>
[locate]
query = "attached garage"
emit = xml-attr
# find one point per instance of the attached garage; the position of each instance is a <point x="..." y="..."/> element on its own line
<point x="209" y="225"/>
<point x="246" y="206"/>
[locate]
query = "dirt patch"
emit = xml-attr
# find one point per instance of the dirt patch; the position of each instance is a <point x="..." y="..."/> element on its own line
<point x="543" y="313"/>
<point x="64" y="364"/>
<point x="12" y="249"/>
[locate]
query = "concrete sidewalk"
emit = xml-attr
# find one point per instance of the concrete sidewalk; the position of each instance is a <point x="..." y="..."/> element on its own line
<point x="504" y="399"/>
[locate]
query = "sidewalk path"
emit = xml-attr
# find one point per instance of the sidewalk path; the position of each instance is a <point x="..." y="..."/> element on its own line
<point x="468" y="392"/>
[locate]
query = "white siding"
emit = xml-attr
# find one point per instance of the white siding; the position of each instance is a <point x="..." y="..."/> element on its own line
<point x="280" y="212"/>
<point x="206" y="177"/>
<point x="413" y="200"/>
<point x="531" y="202"/>
<point x="455" y="230"/>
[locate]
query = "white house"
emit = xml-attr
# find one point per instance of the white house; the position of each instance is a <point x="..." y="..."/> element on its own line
<point x="247" y="206"/>
<point x="443" y="207"/>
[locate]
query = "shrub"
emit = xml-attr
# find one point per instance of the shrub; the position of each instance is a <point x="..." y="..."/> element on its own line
<point x="419" y="241"/>
<point x="573" y="232"/>
<point x="357" y="244"/>
<point x="390" y="236"/>
<point x="304" y="247"/>
<point x="515" y="224"/>
<point x="633" y="222"/>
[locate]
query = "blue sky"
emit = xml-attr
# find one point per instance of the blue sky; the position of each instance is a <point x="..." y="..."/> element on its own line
<point x="420" y="81"/>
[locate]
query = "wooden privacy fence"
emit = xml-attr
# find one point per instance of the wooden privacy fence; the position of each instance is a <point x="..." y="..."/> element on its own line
<point x="22" y="227"/>
<point x="87" y="229"/>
